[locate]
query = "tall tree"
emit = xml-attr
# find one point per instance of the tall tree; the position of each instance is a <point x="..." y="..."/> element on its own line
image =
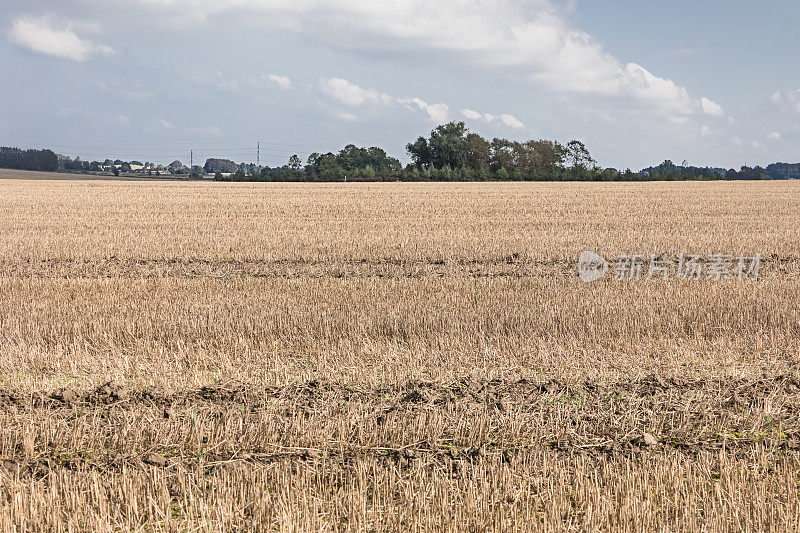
<point x="295" y="163"/>
<point x="449" y="146"/>
<point x="419" y="152"/>
<point x="478" y="151"/>
<point x="578" y="155"/>
<point x="502" y="155"/>
<point x="226" y="166"/>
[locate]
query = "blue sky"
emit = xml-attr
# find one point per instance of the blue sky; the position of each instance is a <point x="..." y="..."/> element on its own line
<point x="712" y="82"/>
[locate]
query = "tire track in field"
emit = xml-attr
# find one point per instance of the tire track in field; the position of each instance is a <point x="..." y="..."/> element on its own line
<point x="513" y="266"/>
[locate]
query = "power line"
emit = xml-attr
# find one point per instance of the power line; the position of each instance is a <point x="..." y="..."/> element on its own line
<point x="144" y="151"/>
<point x="90" y="150"/>
<point x="284" y="147"/>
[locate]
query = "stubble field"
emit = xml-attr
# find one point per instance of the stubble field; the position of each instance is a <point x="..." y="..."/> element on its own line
<point x="409" y="357"/>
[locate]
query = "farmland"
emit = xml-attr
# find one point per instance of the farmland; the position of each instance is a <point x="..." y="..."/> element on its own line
<point x="386" y="356"/>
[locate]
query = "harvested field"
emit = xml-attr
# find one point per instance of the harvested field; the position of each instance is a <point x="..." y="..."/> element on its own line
<point x="369" y="357"/>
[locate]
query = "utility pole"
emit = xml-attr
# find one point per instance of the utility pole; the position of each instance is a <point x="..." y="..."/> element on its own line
<point x="258" y="154"/>
<point x="191" y="159"/>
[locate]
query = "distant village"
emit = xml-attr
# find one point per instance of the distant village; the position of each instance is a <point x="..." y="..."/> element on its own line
<point x="118" y="166"/>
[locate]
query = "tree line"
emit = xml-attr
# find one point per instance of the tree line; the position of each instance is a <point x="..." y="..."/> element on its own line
<point x="450" y="153"/>
<point x="18" y="159"/>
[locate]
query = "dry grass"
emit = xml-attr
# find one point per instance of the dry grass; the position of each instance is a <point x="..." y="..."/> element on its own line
<point x="394" y="357"/>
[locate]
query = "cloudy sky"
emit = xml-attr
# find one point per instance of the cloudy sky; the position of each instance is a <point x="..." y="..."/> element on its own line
<point x="713" y="82"/>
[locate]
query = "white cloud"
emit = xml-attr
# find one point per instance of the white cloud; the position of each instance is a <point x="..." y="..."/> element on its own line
<point x="471" y="114"/>
<point x="659" y="94"/>
<point x="527" y="35"/>
<point x="705" y="131"/>
<point x="436" y="112"/>
<point x="787" y="102"/>
<point x="283" y="82"/>
<point x="165" y="124"/>
<point x="509" y="120"/>
<point x="710" y="107"/>
<point x="774" y="136"/>
<point x="42" y="36"/>
<point x="351" y="94"/>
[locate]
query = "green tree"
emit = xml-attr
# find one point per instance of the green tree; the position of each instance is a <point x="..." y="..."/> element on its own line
<point x="449" y="146"/>
<point x="419" y="152"/>
<point x="479" y="151"/>
<point x="578" y="156"/>
<point x="483" y="173"/>
<point x="225" y="166"/>
<point x="328" y="167"/>
<point x="501" y="155"/>
<point x="446" y="173"/>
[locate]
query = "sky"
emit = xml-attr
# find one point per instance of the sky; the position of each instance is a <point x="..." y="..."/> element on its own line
<point x="711" y="82"/>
